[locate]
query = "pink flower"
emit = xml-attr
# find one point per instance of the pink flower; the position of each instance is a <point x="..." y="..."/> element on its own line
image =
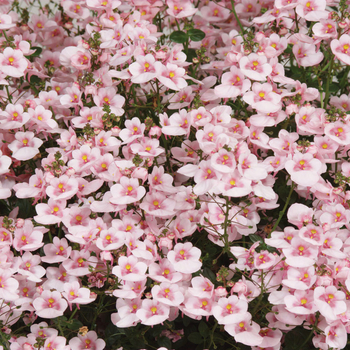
<point x="170" y="75"/>
<point x="55" y="342"/>
<point x="301" y="253"/>
<point x="108" y="96"/>
<point x="336" y="335"/>
<point x="57" y="251"/>
<point x="130" y="269"/>
<point x="155" y="203"/>
<point x="185" y="258"/>
<point x="26" y="146"/>
<point x="230" y="310"/>
<point x="338" y="132"/>
<point x="50" y="213"/>
<point x="74" y="294"/>
<point x="304" y="169"/>
<point x="179" y="124"/>
<point x="180" y="9"/>
<point x="245" y="331"/>
<point x="147" y="148"/>
<point x="341" y="48"/>
<point x="62" y="188"/>
<point x="312" y="10"/>
<point x="152" y="312"/>
<point x="127" y="191"/>
<point x="28" y="238"/>
<point x="8" y="285"/>
<point x="50" y="304"/>
<point x="306" y="54"/>
<point x="255" y="67"/>
<point x="87" y="341"/>
<point x="262" y="98"/>
<point x="301" y="302"/>
<point x="168" y="294"/>
<point x="13" y="63"/>
<point x="330" y="302"/>
<point x="79" y="263"/>
<point x="13" y="117"/>
<point x="143" y="69"/>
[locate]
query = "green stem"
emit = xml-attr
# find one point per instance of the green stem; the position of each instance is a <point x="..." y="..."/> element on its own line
<point x="227" y="245"/>
<point x="329" y="78"/>
<point x="73" y="313"/>
<point x="237" y="19"/>
<point x="9" y="97"/>
<point x="212" y="336"/>
<point x="283" y="210"/>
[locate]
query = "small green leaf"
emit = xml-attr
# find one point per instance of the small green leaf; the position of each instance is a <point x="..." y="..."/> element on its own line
<point x="256" y="238"/>
<point x="38" y="51"/>
<point x="203" y="329"/>
<point x="178" y="37"/>
<point x="74" y="324"/>
<point x="195" y="338"/>
<point x="196" y="34"/>
<point x="164" y="342"/>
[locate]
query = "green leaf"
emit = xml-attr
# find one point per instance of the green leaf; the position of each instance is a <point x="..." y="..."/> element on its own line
<point x="178" y="37"/>
<point x="208" y="273"/>
<point x="74" y="324"/>
<point x="256" y="238"/>
<point x="35" y="79"/>
<point x="203" y="329"/>
<point x="165" y="342"/>
<point x="195" y="338"/>
<point x="37" y="53"/>
<point x="191" y="54"/>
<point x="196" y="34"/>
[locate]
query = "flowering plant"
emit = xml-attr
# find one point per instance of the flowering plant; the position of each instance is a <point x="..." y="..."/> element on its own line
<point x="174" y="173"/>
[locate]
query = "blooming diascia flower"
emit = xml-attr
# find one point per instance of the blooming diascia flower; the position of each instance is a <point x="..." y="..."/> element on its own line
<point x="13" y="63"/>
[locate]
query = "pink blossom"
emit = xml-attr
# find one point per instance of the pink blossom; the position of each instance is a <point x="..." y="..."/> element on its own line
<point x="301" y="253"/>
<point x="57" y="251"/>
<point x="127" y="191"/>
<point x="330" y="302"/>
<point x="170" y="75"/>
<point x="341" y="48"/>
<point x="304" y="169"/>
<point x="13" y="63"/>
<point x="255" y="67"/>
<point x="8" y="285"/>
<point x="130" y="269"/>
<point x="230" y="310"/>
<point x="62" y="188"/>
<point x="90" y="339"/>
<point x="245" y="331"/>
<point x="312" y="10"/>
<point x="185" y="258"/>
<point x="50" y="213"/>
<point x="152" y="312"/>
<point x="26" y="146"/>
<point x="180" y="9"/>
<point x="168" y="294"/>
<point x="50" y="304"/>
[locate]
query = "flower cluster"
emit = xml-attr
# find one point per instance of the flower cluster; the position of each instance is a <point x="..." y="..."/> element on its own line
<point x="165" y="160"/>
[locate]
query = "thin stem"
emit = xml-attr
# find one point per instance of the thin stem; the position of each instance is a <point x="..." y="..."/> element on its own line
<point x="235" y="14"/>
<point x="329" y="78"/>
<point x="283" y="210"/>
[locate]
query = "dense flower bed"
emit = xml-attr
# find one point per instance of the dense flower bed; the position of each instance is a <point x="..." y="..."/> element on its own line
<point x="174" y="174"/>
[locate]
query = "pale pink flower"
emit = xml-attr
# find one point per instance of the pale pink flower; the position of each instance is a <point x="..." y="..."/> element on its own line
<point x="30" y="268"/>
<point x="8" y="285"/>
<point x="198" y="306"/>
<point x="230" y="310"/>
<point x="338" y="132"/>
<point x="185" y="258"/>
<point x="147" y="148"/>
<point x="330" y="302"/>
<point x="131" y="290"/>
<point x="180" y="9"/>
<point x="312" y="10"/>
<point x="79" y="263"/>
<point x="90" y="339"/>
<point x="62" y="188"/>
<point x="143" y="69"/>
<point x="300" y="215"/>
<point x="28" y="238"/>
<point x="6" y="22"/>
<point x="300" y="278"/>
<point x="108" y="96"/>
<point x="179" y="124"/>
<point x="76" y="57"/>
<point x="26" y="146"/>
<point x="245" y="331"/>
<point x="110" y="239"/>
<point x="171" y="75"/>
<point x="152" y="312"/>
<point x="341" y="48"/>
<point x="126" y="316"/>
<point x="232" y="84"/>
<point x="13" y="63"/>
<point x="13" y="117"/>
<point x="57" y="251"/>
<point x="130" y="269"/>
<point x="300" y="253"/>
<point x="325" y="29"/>
<point x="306" y="54"/>
<point x="255" y="67"/>
<point x="215" y="12"/>
<point x="50" y="304"/>
<point x="127" y="191"/>
<point x="156" y="203"/>
<point x="301" y="302"/>
<point x="304" y="169"/>
<point x="164" y="272"/>
<point x="263" y="98"/>
<point x="336" y="335"/>
<point x="55" y="342"/>
<point x="50" y="213"/>
<point x="168" y="294"/>
<point x="73" y="293"/>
